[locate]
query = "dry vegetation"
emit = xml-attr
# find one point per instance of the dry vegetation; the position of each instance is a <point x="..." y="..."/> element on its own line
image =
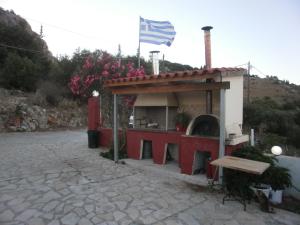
<point x="279" y="91"/>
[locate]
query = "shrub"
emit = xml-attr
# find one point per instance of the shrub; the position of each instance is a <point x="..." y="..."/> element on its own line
<point x="278" y="177"/>
<point x="252" y="153"/>
<point x="239" y="183"/>
<point x="50" y="92"/>
<point x="122" y="149"/>
<point x="21" y="69"/>
<point x="297" y="118"/>
<point x="182" y="118"/>
<point x="19" y="73"/>
<point x="110" y="153"/>
<point x="294" y="135"/>
<point x="268" y="140"/>
<point x="67" y="104"/>
<point x="275" y="124"/>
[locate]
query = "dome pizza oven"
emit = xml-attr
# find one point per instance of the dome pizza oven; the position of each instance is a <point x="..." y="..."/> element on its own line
<point x="204" y="125"/>
<point x="209" y="126"/>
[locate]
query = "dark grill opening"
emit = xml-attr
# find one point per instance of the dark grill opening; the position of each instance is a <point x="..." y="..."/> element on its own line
<point x="147" y="149"/>
<point x="201" y="162"/>
<point x="205" y="125"/>
<point x="172" y="154"/>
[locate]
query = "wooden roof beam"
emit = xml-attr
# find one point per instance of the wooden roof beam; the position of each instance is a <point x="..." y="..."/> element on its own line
<point x="171" y="88"/>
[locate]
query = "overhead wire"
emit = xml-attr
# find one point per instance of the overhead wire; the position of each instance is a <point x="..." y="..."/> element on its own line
<point x="252" y="66"/>
<point x="35" y="51"/>
<point x="40" y="52"/>
<point x="20" y="48"/>
<point x="241" y="65"/>
<point x="258" y="70"/>
<point x="57" y="27"/>
<point x="85" y="36"/>
<point x="68" y="30"/>
<point x="83" y="57"/>
<point x="51" y="25"/>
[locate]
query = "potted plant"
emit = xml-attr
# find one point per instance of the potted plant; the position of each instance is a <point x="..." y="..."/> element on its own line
<point x="276" y="177"/>
<point x="279" y="179"/>
<point x="182" y="120"/>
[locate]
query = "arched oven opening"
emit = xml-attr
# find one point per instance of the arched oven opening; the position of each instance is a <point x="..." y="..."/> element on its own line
<point x="204" y="125"/>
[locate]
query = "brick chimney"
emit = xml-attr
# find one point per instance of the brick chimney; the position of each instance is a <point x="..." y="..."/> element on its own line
<point x="206" y="30"/>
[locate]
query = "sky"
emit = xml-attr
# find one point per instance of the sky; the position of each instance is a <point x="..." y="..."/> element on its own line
<point x="264" y="32"/>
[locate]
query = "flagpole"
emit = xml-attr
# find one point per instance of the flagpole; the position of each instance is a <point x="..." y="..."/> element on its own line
<point x="139" y="55"/>
<point x="139" y="48"/>
<point x="119" y="55"/>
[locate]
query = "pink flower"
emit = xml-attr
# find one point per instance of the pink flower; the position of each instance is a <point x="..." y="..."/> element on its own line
<point x="117" y="75"/>
<point x="113" y="68"/>
<point x="105" y="73"/>
<point x="88" y="63"/>
<point x="106" y="66"/>
<point x="75" y="84"/>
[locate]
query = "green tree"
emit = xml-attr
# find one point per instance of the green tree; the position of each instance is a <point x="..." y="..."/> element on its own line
<point x="167" y="66"/>
<point x="24" y="58"/>
<point x="19" y="73"/>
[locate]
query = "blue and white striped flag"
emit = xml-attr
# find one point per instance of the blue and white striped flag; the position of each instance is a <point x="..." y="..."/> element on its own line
<point x="156" y="32"/>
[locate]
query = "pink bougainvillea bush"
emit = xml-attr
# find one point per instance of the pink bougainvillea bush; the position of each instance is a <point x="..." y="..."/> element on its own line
<point x="96" y="69"/>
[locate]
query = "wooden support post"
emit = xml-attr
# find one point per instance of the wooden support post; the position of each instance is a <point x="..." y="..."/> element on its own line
<point x="222" y="131"/>
<point x="116" y="141"/>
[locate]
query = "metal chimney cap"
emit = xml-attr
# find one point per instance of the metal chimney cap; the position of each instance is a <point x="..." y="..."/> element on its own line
<point x="207" y="28"/>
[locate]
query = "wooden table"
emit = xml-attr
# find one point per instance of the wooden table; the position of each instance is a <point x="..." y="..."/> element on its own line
<point x="240" y="164"/>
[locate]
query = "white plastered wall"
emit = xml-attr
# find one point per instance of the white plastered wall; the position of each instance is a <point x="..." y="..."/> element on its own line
<point x="234" y="102"/>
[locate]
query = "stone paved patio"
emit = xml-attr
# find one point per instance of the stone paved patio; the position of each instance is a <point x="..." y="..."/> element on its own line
<point x="53" y="178"/>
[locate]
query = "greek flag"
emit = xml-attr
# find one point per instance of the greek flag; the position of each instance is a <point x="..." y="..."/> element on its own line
<point x="156" y="32"/>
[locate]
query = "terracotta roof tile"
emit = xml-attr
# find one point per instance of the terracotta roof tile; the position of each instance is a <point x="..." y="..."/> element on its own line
<point x="188" y="73"/>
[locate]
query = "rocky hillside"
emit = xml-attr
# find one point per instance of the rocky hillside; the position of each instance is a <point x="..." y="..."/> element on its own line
<point x="26" y="64"/>
<point x="21" y="111"/>
<point x="9" y="20"/>
<point x="272" y="87"/>
<point x="24" y="56"/>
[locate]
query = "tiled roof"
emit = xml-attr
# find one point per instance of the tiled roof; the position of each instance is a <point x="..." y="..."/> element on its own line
<point x="182" y="74"/>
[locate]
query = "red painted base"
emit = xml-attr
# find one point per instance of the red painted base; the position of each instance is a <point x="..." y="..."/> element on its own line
<point x="93" y="113"/>
<point x="159" y="140"/>
<point x="105" y="137"/>
<point x="188" y="146"/>
<point x="180" y="128"/>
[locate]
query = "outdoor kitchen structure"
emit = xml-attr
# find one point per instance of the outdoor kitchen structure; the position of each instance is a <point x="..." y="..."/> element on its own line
<point x="212" y="97"/>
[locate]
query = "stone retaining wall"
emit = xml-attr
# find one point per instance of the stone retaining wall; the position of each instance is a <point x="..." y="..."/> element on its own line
<point x="18" y="112"/>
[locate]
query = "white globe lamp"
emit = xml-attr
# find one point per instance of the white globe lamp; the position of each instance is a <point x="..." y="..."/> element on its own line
<point x="276" y="150"/>
<point x="95" y="93"/>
